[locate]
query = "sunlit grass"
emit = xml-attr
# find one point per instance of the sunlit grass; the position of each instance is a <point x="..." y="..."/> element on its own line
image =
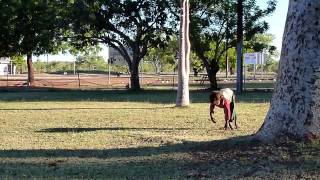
<point x="133" y="138"/>
<point x="105" y="125"/>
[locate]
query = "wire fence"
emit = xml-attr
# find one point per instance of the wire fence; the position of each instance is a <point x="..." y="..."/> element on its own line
<point x="104" y="81"/>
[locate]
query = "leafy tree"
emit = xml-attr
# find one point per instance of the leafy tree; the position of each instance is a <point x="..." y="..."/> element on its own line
<point x="89" y="59"/>
<point x="294" y="110"/>
<point x="196" y="64"/>
<point x="59" y="67"/>
<point x="131" y="27"/>
<point x="160" y="57"/>
<point x="271" y="65"/>
<point x="232" y="60"/>
<point x="214" y="21"/>
<point x="91" y="62"/>
<point x="19" y="62"/>
<point x="259" y="43"/>
<point x="31" y="27"/>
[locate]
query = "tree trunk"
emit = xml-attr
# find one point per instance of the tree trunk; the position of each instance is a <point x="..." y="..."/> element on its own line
<point x="239" y="45"/>
<point x="134" y="75"/>
<point x="294" y="111"/>
<point x="231" y="70"/>
<point x="184" y="65"/>
<point x="157" y="65"/>
<point x="212" y="71"/>
<point x="30" y="70"/>
<point x="213" y="80"/>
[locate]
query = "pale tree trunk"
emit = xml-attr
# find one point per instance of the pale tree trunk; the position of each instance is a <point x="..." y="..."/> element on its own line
<point x="30" y="70"/>
<point x="295" y="106"/>
<point x="184" y="65"/>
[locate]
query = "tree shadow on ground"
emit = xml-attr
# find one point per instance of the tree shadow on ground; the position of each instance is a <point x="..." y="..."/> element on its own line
<point x="152" y="96"/>
<point x="79" y="130"/>
<point x="226" y="159"/>
<point x="88" y="108"/>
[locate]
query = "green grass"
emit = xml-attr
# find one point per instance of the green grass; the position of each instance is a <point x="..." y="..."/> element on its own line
<point x="139" y="135"/>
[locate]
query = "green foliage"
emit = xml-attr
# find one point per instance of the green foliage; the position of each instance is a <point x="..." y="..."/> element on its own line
<point x="163" y="59"/>
<point x="40" y="67"/>
<point x="259" y="43"/>
<point x="263" y="43"/>
<point x="196" y="63"/>
<point x="272" y="65"/>
<point x="120" y="24"/>
<point x="127" y="26"/>
<point x="90" y="60"/>
<point x="214" y="22"/>
<point x="19" y="62"/>
<point x="232" y="59"/>
<point x="59" y="67"/>
<point x="31" y="26"/>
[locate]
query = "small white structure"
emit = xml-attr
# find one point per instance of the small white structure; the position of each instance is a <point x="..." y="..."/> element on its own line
<point x="255" y="58"/>
<point x="6" y="66"/>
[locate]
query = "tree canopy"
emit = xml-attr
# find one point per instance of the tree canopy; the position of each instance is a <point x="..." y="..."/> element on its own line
<point x="213" y="29"/>
<point x="31" y="27"/>
<point x="131" y="27"/>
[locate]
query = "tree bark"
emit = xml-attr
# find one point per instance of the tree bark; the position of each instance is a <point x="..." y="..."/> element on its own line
<point x="213" y="81"/>
<point x="212" y="71"/>
<point x="30" y="70"/>
<point x="239" y="45"/>
<point x="294" y="111"/>
<point x="184" y="65"/>
<point x="134" y="76"/>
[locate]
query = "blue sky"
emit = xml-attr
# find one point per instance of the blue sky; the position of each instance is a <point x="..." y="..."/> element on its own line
<point x="276" y="22"/>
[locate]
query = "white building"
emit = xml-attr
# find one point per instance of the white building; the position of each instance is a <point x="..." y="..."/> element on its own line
<point x="6" y="66"/>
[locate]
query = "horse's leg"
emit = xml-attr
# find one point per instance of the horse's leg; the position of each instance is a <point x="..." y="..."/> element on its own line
<point x="226" y="125"/>
<point x="230" y="125"/>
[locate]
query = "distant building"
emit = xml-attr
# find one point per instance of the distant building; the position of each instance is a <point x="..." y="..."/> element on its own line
<point x="6" y="66"/>
<point x="114" y="57"/>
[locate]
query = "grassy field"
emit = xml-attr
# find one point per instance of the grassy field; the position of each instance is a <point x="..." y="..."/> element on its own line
<point x="139" y="135"/>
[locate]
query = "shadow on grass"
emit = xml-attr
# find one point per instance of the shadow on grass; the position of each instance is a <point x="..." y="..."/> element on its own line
<point x="231" y="158"/>
<point x="152" y="96"/>
<point x="127" y="152"/>
<point x="67" y="109"/>
<point x="78" y="130"/>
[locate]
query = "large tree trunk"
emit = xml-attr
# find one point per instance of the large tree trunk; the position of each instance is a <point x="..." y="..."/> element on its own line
<point x="134" y="75"/>
<point x="30" y="70"/>
<point x="184" y="65"/>
<point x="294" y="112"/>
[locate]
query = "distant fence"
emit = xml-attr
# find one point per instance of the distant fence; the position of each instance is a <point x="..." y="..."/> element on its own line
<point x="85" y="81"/>
<point x="104" y="81"/>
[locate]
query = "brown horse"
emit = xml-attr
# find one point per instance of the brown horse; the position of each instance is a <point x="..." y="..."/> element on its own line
<point x="224" y="99"/>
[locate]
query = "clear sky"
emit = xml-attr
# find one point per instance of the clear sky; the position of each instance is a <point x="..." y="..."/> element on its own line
<point x="276" y="22"/>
